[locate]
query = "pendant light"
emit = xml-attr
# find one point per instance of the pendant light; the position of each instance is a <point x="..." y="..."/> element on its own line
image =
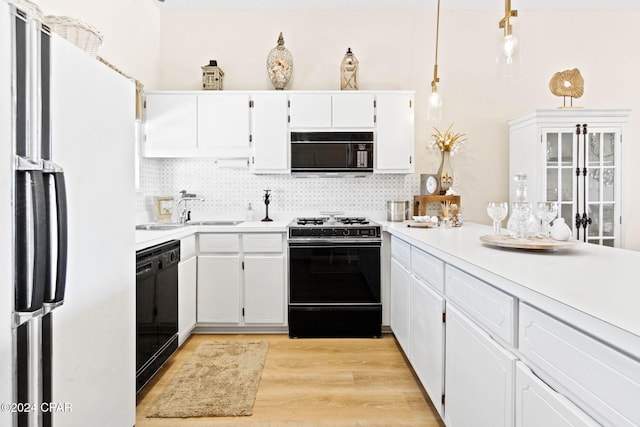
<point x="434" y="112"/>
<point x="508" y="57"/>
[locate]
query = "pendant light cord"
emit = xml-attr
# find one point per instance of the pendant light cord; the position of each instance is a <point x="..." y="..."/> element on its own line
<point x="435" y="66"/>
<point x="437" y="31"/>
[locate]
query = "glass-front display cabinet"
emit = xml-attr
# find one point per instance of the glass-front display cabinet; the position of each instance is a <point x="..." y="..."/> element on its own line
<point x="573" y="157"/>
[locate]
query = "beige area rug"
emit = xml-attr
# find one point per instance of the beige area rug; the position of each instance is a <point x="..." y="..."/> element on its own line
<point x="220" y="379"/>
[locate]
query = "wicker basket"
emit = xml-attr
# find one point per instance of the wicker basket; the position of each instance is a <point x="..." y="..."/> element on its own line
<point x="77" y="32"/>
<point x="30" y="8"/>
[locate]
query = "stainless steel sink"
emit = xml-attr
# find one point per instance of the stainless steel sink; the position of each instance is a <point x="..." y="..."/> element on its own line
<point x="219" y="222"/>
<point x="158" y="226"/>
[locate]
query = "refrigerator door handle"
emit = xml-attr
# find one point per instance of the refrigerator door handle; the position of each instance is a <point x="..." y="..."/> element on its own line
<point x="55" y="298"/>
<point x="30" y="296"/>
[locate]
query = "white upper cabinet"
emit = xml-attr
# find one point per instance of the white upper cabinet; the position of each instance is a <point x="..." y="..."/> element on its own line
<point x="170" y="124"/>
<point x="353" y="110"/>
<point x="336" y="111"/>
<point x="223" y="124"/>
<point x="256" y="125"/>
<point x="269" y="133"/>
<point x="395" y="144"/>
<point x="310" y="110"/>
<point x="196" y="124"/>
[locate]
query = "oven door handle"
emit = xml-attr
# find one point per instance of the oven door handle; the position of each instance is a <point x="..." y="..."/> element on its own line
<point x="325" y="244"/>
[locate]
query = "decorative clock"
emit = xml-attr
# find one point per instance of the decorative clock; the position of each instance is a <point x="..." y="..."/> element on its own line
<point x="429" y="184"/>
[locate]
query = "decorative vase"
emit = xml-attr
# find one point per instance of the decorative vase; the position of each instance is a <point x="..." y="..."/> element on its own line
<point x="445" y="172"/>
<point x="279" y="65"/>
<point x="560" y="230"/>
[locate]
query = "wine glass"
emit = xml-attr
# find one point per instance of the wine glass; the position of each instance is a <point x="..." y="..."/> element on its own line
<point x="497" y="211"/>
<point x="546" y="212"/>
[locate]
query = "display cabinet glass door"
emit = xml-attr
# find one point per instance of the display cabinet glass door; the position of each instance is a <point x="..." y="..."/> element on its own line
<point x="564" y="154"/>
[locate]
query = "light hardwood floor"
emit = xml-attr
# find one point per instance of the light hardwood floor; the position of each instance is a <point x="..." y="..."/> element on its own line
<point x="315" y="382"/>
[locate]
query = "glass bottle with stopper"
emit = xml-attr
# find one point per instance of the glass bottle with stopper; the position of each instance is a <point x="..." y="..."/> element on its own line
<point x="522" y="223"/>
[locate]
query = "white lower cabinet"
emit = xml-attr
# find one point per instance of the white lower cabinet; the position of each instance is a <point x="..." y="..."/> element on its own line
<point x="478" y="378"/>
<point x="241" y="279"/>
<point x="264" y="289"/>
<point x="187" y="282"/>
<point x="498" y="360"/>
<point x="400" y="300"/>
<point x="602" y="380"/>
<point x="219" y="289"/>
<point x="187" y="285"/>
<point x="426" y="346"/>
<point x="538" y="405"/>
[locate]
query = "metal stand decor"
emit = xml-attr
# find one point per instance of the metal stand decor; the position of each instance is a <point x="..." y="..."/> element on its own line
<point x="267" y="200"/>
<point x="581" y="220"/>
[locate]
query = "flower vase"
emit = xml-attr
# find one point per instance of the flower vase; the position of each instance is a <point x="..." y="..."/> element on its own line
<point x="445" y="172"/>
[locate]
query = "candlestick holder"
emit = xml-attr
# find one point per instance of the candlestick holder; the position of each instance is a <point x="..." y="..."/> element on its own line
<point x="267" y="200"/>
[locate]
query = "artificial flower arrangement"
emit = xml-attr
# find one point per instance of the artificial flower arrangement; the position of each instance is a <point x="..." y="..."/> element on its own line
<point x="447" y="141"/>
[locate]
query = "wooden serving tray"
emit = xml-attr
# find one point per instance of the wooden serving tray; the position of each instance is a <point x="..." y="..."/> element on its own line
<point x="416" y="224"/>
<point x="534" y="244"/>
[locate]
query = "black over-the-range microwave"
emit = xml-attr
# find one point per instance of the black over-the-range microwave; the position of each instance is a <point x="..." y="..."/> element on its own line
<point x="331" y="153"/>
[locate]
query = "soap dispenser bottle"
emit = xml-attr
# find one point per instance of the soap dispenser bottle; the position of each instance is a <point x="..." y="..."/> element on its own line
<point x="249" y="213"/>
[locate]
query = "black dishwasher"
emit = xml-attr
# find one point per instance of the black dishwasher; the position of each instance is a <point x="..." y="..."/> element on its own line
<point x="156" y="308"/>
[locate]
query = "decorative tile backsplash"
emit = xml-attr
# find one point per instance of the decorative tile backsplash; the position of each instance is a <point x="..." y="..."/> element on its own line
<point x="228" y="191"/>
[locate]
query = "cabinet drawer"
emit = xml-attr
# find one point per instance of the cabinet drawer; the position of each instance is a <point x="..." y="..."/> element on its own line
<point x="401" y="252"/>
<point x="491" y="308"/>
<point x="219" y="243"/>
<point x="262" y="242"/>
<point x="602" y="381"/>
<point x="428" y="268"/>
<point x="187" y="247"/>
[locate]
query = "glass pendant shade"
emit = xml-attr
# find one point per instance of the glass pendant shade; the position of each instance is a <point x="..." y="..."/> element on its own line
<point x="434" y="112"/>
<point x="508" y="57"/>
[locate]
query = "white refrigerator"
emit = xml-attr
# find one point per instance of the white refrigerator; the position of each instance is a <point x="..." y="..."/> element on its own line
<point x="67" y="243"/>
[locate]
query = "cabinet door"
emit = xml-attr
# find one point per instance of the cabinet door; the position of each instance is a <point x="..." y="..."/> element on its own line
<point x="395" y="133"/>
<point x="270" y="134"/>
<point x="264" y="289"/>
<point x="219" y="289"/>
<point x="187" y="280"/>
<point x="223" y="122"/>
<point x="537" y="405"/>
<point x="352" y="110"/>
<point x="478" y="378"/>
<point x="427" y="340"/>
<point x="400" y="296"/>
<point x="170" y="123"/>
<point x="310" y="111"/>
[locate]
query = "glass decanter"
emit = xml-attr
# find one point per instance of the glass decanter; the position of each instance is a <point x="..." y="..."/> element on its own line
<point x="522" y="223"/>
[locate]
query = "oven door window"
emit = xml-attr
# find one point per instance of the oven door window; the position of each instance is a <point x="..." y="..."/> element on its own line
<point x="327" y="155"/>
<point x="334" y="275"/>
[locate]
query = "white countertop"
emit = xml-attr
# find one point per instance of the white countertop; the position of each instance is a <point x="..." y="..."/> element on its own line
<point x="146" y="238"/>
<point x="599" y="281"/>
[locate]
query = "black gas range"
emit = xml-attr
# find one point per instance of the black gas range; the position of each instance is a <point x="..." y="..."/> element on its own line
<point x="334" y="278"/>
<point x="333" y="227"/>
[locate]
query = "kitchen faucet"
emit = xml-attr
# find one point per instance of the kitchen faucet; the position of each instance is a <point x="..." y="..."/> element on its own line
<point x="184" y="215"/>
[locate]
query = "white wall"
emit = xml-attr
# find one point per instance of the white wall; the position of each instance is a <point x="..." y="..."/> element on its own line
<point x="396" y="51"/>
<point x="131" y="31"/>
<point x="165" y="50"/>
